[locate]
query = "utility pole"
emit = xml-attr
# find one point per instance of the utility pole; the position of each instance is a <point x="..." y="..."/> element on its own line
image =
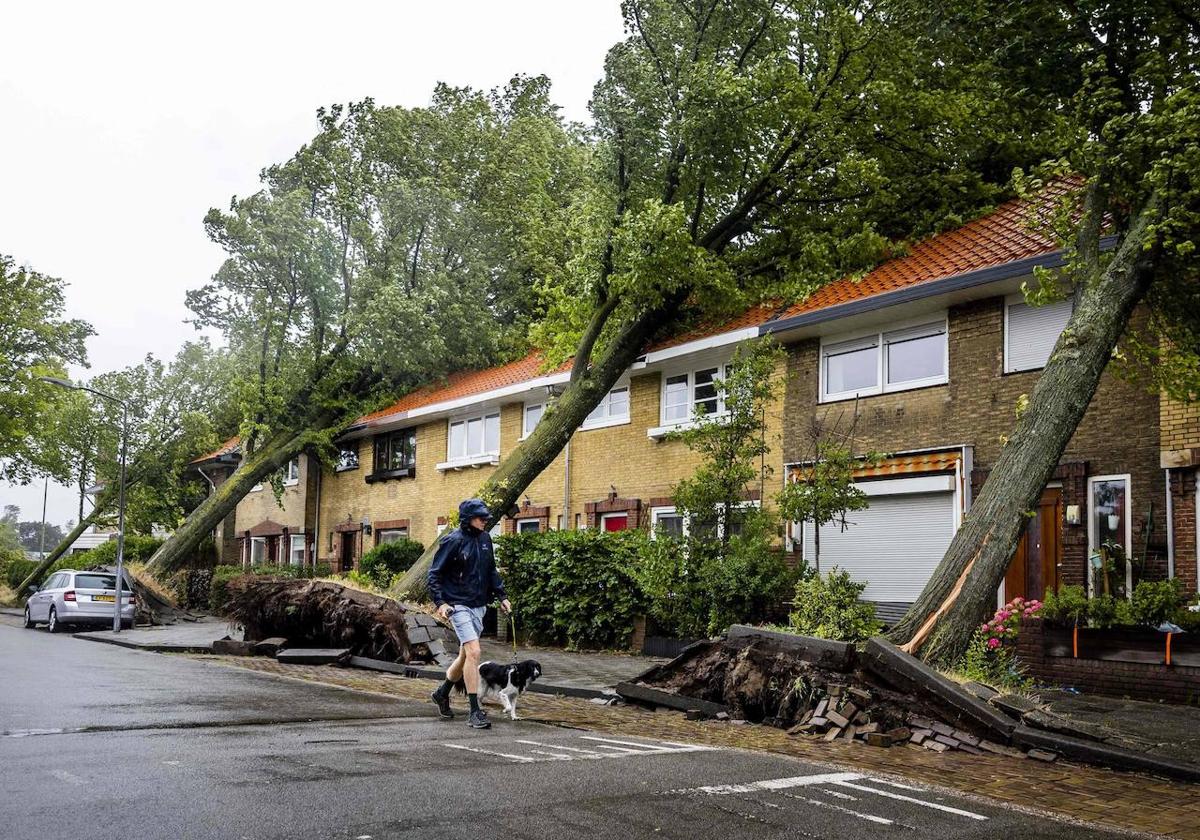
<point x="42" y="542"/>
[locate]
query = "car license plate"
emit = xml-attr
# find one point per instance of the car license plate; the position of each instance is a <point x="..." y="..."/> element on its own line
<point x="112" y="598"/>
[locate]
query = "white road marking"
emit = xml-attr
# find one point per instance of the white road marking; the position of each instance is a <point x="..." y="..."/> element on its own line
<point x="559" y="756"/>
<point x="70" y="778"/>
<point x="664" y="746"/>
<point x="777" y="784"/>
<point x="900" y="785"/>
<point x="522" y="758"/>
<point x="859" y="814"/>
<point x="837" y="794"/>
<point x="562" y="747"/>
<point x="939" y="807"/>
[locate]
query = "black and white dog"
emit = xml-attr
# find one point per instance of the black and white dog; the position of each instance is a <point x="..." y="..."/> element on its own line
<point x="505" y="682"/>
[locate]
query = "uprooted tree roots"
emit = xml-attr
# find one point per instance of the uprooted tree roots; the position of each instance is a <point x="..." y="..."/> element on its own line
<point x="321" y="613"/>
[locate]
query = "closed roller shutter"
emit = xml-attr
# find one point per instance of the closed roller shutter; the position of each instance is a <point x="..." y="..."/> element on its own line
<point x="893" y="546"/>
<point x="1032" y="333"/>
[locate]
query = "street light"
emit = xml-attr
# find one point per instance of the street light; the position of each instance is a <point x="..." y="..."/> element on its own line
<point x="66" y="383"/>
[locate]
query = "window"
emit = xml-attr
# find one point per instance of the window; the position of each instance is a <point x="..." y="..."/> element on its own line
<point x="686" y="395"/>
<point x="668" y="522"/>
<point x="396" y="451"/>
<point x="612" y="410"/>
<point x="528" y="526"/>
<point x="291" y="473"/>
<point x="533" y="416"/>
<point x="347" y="456"/>
<point x="614" y="522"/>
<point x="1030" y="332"/>
<point x="1109" y="524"/>
<point x="895" y="360"/>
<point x="474" y="437"/>
<point x="391" y="535"/>
<point x="296" y="555"/>
<point x="258" y="551"/>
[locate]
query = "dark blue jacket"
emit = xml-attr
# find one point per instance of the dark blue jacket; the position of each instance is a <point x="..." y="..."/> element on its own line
<point x="464" y="570"/>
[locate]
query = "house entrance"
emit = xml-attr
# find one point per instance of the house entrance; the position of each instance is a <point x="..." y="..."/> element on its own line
<point x="346" y="555"/>
<point x="1034" y="568"/>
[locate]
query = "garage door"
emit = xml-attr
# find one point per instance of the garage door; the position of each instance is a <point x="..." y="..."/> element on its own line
<point x="894" y="545"/>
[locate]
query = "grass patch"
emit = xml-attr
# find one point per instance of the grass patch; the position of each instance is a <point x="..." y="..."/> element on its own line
<point x="8" y="598"/>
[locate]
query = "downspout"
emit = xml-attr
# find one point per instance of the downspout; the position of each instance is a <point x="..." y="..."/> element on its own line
<point x="219" y="543"/>
<point x="1170" y="529"/>
<point x="566" y="505"/>
<point x="316" y="543"/>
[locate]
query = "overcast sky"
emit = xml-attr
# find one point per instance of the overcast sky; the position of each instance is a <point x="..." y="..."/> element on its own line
<point x="124" y="122"/>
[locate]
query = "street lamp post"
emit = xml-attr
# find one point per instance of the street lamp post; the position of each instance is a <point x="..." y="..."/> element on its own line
<point x="64" y="383"/>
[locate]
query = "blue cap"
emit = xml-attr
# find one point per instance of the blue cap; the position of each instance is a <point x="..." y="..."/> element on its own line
<point x="471" y="508"/>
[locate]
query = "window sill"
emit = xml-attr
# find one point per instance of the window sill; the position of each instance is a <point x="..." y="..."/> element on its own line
<point x="876" y="392"/>
<point x="389" y="475"/>
<point x="660" y="432"/>
<point x="345" y="469"/>
<point x="472" y="463"/>
<point x="605" y="424"/>
<point x="291" y="483"/>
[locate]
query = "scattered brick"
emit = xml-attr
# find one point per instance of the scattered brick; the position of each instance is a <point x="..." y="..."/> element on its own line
<point x="879" y="739"/>
<point x="1042" y="755"/>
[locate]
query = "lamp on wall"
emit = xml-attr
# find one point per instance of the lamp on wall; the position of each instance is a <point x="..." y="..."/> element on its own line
<point x="366" y="526"/>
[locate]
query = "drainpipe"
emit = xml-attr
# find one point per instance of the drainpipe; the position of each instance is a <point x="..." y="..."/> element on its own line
<point x="219" y="542"/>
<point x="1170" y="529"/>
<point x="316" y="544"/>
<point x="566" y="506"/>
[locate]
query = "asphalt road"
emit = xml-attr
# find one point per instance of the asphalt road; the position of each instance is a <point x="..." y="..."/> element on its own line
<point x="103" y="742"/>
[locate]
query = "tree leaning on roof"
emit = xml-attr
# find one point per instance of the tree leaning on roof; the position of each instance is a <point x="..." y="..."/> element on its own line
<point x="750" y="151"/>
<point x="1123" y="79"/>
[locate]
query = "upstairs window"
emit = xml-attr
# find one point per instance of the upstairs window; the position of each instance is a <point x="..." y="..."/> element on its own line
<point x="612" y="410"/>
<point x="291" y="473"/>
<point x="474" y="437"/>
<point x="686" y="395"/>
<point x="396" y="451"/>
<point x="533" y="416"/>
<point x="347" y="456"/>
<point x="1030" y="332"/>
<point x="893" y="360"/>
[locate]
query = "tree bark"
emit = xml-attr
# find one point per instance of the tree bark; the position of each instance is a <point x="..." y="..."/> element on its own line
<point x="525" y="463"/>
<point x="257" y="467"/>
<point x="963" y="588"/>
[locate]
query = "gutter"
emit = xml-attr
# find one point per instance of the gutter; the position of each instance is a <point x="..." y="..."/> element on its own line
<point x="926" y="289"/>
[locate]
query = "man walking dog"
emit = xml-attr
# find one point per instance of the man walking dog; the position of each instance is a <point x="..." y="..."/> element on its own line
<point x="462" y="581"/>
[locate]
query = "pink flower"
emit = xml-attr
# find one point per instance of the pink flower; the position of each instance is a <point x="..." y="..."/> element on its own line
<point x="993" y="643"/>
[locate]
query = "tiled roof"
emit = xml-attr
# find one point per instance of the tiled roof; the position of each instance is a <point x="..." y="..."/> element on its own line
<point x="225" y="448"/>
<point x="1000" y="237"/>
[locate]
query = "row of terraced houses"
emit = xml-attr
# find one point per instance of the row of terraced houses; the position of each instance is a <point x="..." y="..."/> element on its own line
<point x="931" y="351"/>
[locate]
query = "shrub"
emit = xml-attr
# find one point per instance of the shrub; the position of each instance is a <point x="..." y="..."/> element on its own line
<point x="1156" y="601"/>
<point x="385" y="561"/>
<point x="1069" y="605"/>
<point x="829" y="608"/>
<point x="573" y="587"/>
<point x="991" y="655"/>
<point x="1107" y="611"/>
<point x="137" y="549"/>
<point x="218" y="587"/>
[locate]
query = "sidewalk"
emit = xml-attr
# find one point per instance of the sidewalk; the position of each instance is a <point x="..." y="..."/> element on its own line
<point x="194" y="637"/>
<point x="1160" y="729"/>
<point x="1067" y="791"/>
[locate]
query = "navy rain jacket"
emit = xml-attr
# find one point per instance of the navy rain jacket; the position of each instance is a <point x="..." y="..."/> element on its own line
<point x="464" y="569"/>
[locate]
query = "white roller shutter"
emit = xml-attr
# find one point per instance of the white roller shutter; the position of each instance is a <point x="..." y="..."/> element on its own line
<point x="1032" y="331"/>
<point x="893" y="546"/>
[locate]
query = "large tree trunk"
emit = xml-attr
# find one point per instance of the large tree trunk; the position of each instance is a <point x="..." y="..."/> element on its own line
<point x="256" y="468"/>
<point x="525" y="463"/>
<point x="963" y="588"/>
<point x="104" y="501"/>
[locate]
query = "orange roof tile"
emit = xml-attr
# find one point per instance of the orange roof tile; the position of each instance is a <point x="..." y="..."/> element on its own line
<point x="224" y="449"/>
<point x="999" y="237"/>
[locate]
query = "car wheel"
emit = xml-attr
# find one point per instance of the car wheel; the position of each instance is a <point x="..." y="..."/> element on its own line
<point x="28" y="625"/>
<point x="52" y="622"/>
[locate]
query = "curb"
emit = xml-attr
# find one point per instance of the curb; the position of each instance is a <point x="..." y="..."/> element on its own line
<point x="1094" y="752"/>
<point x="413" y="671"/>
<point x="146" y="646"/>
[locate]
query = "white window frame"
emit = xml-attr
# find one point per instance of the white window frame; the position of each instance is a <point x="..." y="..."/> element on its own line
<point x="910" y="328"/>
<point x="343" y="448"/>
<point x="292" y="548"/>
<point x="1093" y="536"/>
<point x="609" y="419"/>
<point x="1009" y="300"/>
<point x="666" y="426"/>
<point x="536" y="523"/>
<point x="379" y="540"/>
<point x="472" y="459"/>
<point x="657" y="513"/>
<point x="290" y="480"/>
<point x="526" y="429"/>
<point x="750" y="503"/>
<point x="258" y="541"/>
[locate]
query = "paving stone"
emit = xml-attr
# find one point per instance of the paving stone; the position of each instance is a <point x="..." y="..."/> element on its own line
<point x="936" y="746"/>
<point x="233" y="647"/>
<point x="980" y="690"/>
<point x="860" y="695"/>
<point x="965" y="737"/>
<point x="919" y="736"/>
<point x="270" y="647"/>
<point x="837" y="720"/>
<point x="313" y="656"/>
<point x="833" y="733"/>
<point x="967" y="748"/>
<point x="849" y="732"/>
<point x="419" y="635"/>
<point x="820" y="709"/>
<point x="899" y="734"/>
<point x="1014" y="705"/>
<point x="848" y="711"/>
<point x="862" y="718"/>
<point x="835" y="689"/>
<point x="879" y="739"/>
<point x="818" y="722"/>
<point x="1043" y="755"/>
<point x="693" y="714"/>
<point x="952" y="743"/>
<point x="868" y="729"/>
<point x="999" y="749"/>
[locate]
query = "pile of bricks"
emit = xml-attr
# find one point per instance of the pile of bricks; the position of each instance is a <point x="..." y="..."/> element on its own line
<point x="940" y="737"/>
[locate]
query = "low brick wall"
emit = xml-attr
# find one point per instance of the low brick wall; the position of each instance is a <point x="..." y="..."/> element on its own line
<point x="1137" y="680"/>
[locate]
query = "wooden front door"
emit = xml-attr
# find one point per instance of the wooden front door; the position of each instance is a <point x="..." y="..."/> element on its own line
<point x="346" y="557"/>
<point x="1034" y="568"/>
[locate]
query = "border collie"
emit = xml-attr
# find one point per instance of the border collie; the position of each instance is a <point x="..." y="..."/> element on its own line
<point x="505" y="682"/>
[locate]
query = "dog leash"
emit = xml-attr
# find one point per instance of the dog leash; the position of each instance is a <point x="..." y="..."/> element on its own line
<point x="512" y="619"/>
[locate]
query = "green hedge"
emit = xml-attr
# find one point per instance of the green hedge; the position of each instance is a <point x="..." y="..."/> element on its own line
<point x="138" y="549"/>
<point x="573" y="587"/>
<point x="385" y="561"/>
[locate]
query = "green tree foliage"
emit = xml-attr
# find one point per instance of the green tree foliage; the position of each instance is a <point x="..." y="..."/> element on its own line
<point x="35" y="340"/>
<point x="10" y="540"/>
<point x="399" y="245"/>
<point x="829" y="608"/>
<point x="36" y="535"/>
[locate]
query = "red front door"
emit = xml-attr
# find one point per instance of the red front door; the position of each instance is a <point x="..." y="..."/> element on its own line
<point x="1034" y="567"/>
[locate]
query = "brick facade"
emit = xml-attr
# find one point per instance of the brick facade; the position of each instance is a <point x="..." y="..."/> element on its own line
<point x="977" y="407"/>
<point x="1183" y="510"/>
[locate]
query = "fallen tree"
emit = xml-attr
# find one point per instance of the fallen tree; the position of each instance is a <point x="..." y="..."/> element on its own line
<point x="1135" y="117"/>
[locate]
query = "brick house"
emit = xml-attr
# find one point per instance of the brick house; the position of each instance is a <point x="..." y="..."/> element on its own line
<point x="926" y="357"/>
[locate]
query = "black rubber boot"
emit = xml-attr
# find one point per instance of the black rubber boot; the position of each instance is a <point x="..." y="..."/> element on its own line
<point x="478" y="719"/>
<point x="443" y="704"/>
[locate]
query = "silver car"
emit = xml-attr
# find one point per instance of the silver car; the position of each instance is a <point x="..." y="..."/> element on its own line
<point x="71" y="597"/>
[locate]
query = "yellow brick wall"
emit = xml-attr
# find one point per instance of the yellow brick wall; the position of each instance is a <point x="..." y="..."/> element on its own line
<point x="259" y="505"/>
<point x="1179" y="432"/>
<point x="616" y="456"/>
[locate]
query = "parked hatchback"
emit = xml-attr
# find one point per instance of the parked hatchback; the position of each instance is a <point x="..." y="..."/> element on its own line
<point x="74" y="598"/>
